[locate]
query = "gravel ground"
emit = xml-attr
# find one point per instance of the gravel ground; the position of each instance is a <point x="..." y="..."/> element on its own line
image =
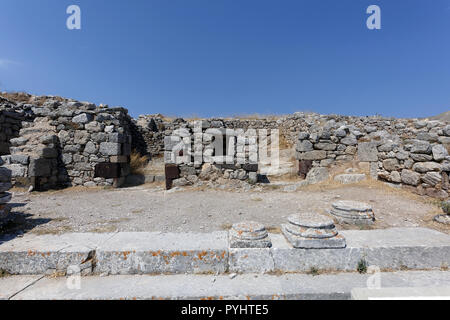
<point x="149" y="208"/>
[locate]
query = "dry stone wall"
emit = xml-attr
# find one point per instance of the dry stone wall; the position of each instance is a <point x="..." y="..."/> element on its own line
<point x="50" y="142"/>
<point x="5" y="197"/>
<point x="408" y="152"/>
<point x="61" y="143"/>
<point x="411" y="153"/>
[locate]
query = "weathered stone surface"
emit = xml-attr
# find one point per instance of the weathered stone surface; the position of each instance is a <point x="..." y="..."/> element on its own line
<point x="402" y="155"/>
<point x="83" y="118"/>
<point x="181" y="182"/>
<point x="151" y="253"/>
<point x="17" y="170"/>
<point x="439" y="152"/>
<point x="353" y="212"/>
<point x="336" y="242"/>
<point x="325" y="146"/>
<point x="47" y="153"/>
<point x="39" y="168"/>
<point x="5" y="186"/>
<point x="349" y="178"/>
<point x="424" y="167"/>
<point x="5" y="174"/>
<point x="442" y="218"/>
<point x="317" y="175"/>
<point x="367" y="151"/>
<point x="421" y="157"/>
<point x="410" y="177"/>
<point x="249" y="234"/>
<point x="304" y="146"/>
<point x="391" y="164"/>
<point x="432" y="178"/>
<point x="252" y="177"/>
<point x="436" y="193"/>
<point x="313" y="155"/>
<point x="91" y="147"/>
<point x="419" y="146"/>
<point x="110" y="148"/>
<point x="5" y="197"/>
<point x="349" y="141"/>
<point x="81" y="137"/>
<point x="20" y="159"/>
<point x="394" y="176"/>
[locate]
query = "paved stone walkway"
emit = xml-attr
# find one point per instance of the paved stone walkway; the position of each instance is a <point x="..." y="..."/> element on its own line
<point x="248" y="286"/>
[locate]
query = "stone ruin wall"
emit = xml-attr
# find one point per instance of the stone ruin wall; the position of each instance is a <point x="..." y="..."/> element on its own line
<point x="156" y="132"/>
<point x="407" y="152"/>
<point x="152" y="129"/>
<point x="52" y="143"/>
<point x="410" y="153"/>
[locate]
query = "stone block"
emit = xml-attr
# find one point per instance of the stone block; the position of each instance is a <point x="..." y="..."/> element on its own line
<point x="424" y="167"/>
<point x="256" y="260"/>
<point x="313" y="155"/>
<point x="83" y="118"/>
<point x="410" y="177"/>
<point x="304" y="146"/>
<point x="312" y="231"/>
<point x="439" y="152"/>
<point x="367" y="151"/>
<point x="419" y="146"/>
<point x="317" y="175"/>
<point x="110" y="148"/>
<point x="20" y="159"/>
<point x="17" y="170"/>
<point x="353" y="212"/>
<point x="349" y="178"/>
<point x="168" y="253"/>
<point x="118" y="159"/>
<point x="40" y="168"/>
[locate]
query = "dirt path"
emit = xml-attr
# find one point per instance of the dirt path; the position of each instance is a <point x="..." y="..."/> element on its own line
<point x="149" y="208"/>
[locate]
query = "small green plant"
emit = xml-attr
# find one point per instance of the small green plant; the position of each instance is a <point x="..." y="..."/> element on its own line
<point x="362" y="266"/>
<point x="313" y="271"/>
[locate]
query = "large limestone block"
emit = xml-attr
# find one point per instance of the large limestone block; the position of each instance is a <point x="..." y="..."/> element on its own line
<point x="367" y="151"/>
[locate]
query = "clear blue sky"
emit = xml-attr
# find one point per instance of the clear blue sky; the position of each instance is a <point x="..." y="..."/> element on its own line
<point x="230" y="57"/>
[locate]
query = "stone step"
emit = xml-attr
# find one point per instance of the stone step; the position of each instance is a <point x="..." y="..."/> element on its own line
<point x="207" y="287"/>
<point x="200" y="253"/>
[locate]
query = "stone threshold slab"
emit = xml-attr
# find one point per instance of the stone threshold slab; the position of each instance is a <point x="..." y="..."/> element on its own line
<point x="241" y="287"/>
<point x="209" y="253"/>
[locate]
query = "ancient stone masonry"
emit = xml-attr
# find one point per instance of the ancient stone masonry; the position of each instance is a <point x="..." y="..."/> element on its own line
<point x="5" y="197"/>
<point x="408" y="152"/>
<point x="51" y="141"/>
<point x="207" y="150"/>
<point x="11" y="118"/>
<point x="154" y="128"/>
<point x="55" y="142"/>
